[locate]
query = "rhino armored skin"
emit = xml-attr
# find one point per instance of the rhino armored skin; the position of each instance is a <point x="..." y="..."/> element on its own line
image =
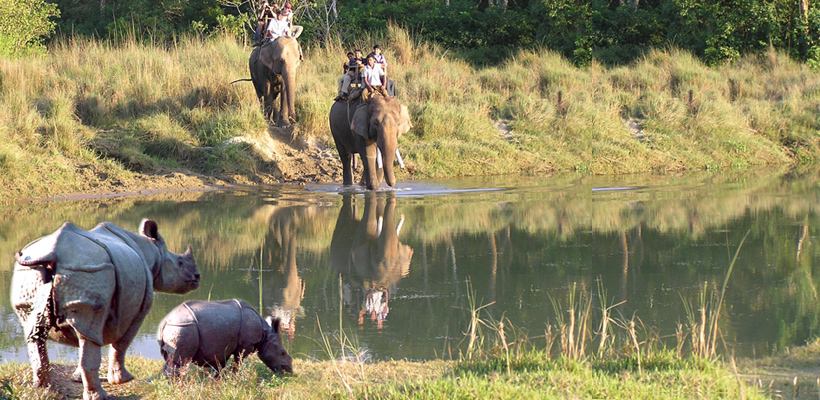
<point x="207" y="333"/>
<point x="91" y="288"/>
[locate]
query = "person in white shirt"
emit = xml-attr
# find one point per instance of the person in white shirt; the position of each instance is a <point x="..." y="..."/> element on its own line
<point x="278" y="27"/>
<point x="371" y="75"/>
<point x="379" y="57"/>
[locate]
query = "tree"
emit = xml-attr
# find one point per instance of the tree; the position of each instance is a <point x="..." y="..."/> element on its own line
<point x="25" y="24"/>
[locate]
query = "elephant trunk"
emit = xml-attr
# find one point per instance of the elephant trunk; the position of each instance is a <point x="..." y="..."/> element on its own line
<point x="289" y="95"/>
<point x="388" y="143"/>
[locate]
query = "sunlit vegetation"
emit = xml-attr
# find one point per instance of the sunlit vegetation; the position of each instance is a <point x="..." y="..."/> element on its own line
<point x="586" y="353"/>
<point x="95" y="109"/>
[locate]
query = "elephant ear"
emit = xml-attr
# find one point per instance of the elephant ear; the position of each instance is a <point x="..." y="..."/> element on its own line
<point x="361" y="122"/>
<point x="255" y="55"/>
<point x="404" y="120"/>
<point x="267" y="54"/>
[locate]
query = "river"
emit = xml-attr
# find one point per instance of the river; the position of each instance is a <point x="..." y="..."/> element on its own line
<point x="398" y="272"/>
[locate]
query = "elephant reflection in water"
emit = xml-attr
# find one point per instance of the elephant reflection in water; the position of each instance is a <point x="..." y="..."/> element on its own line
<point x="282" y="251"/>
<point x="368" y="254"/>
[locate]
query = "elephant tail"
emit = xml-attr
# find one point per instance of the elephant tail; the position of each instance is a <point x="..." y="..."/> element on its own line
<point x="242" y="80"/>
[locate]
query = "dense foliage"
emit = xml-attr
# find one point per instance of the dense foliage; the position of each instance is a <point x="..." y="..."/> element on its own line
<point x="24" y="24"/>
<point x="610" y="31"/>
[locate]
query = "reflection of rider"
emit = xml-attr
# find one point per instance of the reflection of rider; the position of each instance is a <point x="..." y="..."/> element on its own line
<point x="375" y="304"/>
<point x="369" y="249"/>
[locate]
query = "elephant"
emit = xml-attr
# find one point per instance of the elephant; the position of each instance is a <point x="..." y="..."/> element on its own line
<point x="273" y="72"/>
<point x="368" y="251"/>
<point x="91" y="288"/>
<point x="363" y="127"/>
<point x="207" y="333"/>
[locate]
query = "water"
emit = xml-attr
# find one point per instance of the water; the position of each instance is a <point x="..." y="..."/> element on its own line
<point x="396" y="268"/>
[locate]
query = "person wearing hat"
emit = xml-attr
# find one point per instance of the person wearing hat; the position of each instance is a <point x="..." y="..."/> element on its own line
<point x="296" y="29"/>
<point x="265" y="14"/>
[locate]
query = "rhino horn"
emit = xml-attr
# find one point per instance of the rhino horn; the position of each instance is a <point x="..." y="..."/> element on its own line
<point x="187" y="252"/>
<point x="28" y="261"/>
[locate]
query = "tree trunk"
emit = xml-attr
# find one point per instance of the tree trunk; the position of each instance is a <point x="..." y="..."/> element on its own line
<point x="503" y="4"/>
<point x="804" y="14"/>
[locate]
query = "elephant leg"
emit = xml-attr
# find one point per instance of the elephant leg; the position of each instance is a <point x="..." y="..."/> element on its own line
<point x="90" y="356"/>
<point x="267" y="107"/>
<point x="347" y="170"/>
<point x="283" y="118"/>
<point x="370" y="174"/>
<point x="38" y="357"/>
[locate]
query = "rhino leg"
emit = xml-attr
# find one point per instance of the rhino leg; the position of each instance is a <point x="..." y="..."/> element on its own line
<point x="116" y="358"/>
<point x="38" y="356"/>
<point x="178" y="346"/>
<point x="90" y="356"/>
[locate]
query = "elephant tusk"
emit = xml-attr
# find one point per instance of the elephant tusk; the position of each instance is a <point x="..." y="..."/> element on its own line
<point x="398" y="157"/>
<point x="379" y="162"/>
<point x="401" y="222"/>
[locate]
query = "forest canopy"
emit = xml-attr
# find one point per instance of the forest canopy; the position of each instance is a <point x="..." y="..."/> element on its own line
<point x="486" y="31"/>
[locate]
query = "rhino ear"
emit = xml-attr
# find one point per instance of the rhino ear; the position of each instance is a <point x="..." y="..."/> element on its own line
<point x="276" y="324"/>
<point x="269" y="320"/>
<point x="149" y="229"/>
<point x="361" y="122"/>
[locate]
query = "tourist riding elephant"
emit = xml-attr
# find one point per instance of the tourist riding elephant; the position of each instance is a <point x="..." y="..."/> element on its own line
<point x="273" y="72"/>
<point x="91" y="288"/>
<point x="363" y="128"/>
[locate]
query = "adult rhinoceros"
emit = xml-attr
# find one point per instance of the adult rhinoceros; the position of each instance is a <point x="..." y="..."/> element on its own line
<point x="92" y="288"/>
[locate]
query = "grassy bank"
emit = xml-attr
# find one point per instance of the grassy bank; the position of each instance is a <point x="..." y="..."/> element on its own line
<point x="588" y="352"/>
<point x="532" y="376"/>
<point x="91" y="110"/>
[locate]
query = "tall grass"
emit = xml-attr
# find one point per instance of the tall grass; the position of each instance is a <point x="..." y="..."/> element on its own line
<point x="125" y="106"/>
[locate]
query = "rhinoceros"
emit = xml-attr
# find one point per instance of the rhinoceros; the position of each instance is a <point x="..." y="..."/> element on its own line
<point x="91" y="288"/>
<point x="207" y="333"/>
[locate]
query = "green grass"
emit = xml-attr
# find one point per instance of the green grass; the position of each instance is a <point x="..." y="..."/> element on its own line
<point x="532" y="375"/>
<point x="132" y="106"/>
<point x="494" y="360"/>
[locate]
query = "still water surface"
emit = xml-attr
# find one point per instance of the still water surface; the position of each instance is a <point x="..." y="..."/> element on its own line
<point x="396" y="269"/>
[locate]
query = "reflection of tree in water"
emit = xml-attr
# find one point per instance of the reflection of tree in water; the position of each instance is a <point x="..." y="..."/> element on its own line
<point x="368" y="254"/>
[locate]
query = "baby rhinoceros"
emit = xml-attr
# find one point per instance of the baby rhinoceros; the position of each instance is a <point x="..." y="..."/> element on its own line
<point x="207" y="333"/>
